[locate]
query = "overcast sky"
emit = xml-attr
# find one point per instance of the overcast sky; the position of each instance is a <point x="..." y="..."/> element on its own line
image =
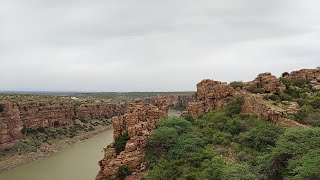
<point x="147" y="45"/>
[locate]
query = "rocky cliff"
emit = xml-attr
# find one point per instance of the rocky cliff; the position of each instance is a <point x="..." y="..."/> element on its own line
<point x="48" y="113"/>
<point x="138" y="122"/>
<point x="214" y="95"/>
<point x="265" y="83"/>
<point x="210" y="95"/>
<point x="311" y="75"/>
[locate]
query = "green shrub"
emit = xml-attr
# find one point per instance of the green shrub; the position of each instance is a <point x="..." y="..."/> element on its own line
<point x="237" y="84"/>
<point x="234" y="107"/>
<point x="123" y="172"/>
<point x="315" y="102"/>
<point x="261" y="138"/>
<point x="291" y="146"/>
<point x="120" y="142"/>
<point x="179" y="124"/>
<point x="305" y="167"/>
<point x="238" y="171"/>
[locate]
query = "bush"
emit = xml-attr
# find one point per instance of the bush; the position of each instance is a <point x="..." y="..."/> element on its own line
<point x="123" y="172"/>
<point x="315" y="102"/>
<point x="235" y="106"/>
<point x="305" y="167"/>
<point x="1" y="107"/>
<point x="120" y="142"/>
<point x="261" y="138"/>
<point x="291" y="146"/>
<point x="238" y="171"/>
<point x="181" y="125"/>
<point x="237" y="84"/>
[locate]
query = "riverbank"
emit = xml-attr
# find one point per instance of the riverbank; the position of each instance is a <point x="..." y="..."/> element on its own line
<point x="48" y="149"/>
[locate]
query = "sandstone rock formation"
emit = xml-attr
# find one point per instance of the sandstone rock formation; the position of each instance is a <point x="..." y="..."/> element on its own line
<point x="210" y="95"/>
<point x="170" y="100"/>
<point x="214" y="95"/>
<point x="57" y="112"/>
<point x="311" y="75"/>
<point x="138" y="122"/>
<point x="266" y="83"/>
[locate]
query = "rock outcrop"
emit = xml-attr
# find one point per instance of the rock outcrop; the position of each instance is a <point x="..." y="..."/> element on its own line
<point x="215" y="95"/>
<point x="171" y="100"/>
<point x="210" y="95"/>
<point x="138" y="122"/>
<point x="266" y="83"/>
<point x="57" y="112"/>
<point x="310" y="75"/>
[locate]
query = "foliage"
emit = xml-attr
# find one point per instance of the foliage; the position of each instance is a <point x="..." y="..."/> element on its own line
<point x="237" y="84"/>
<point x="234" y="107"/>
<point x="123" y="172"/>
<point x="120" y="142"/>
<point x="283" y="159"/>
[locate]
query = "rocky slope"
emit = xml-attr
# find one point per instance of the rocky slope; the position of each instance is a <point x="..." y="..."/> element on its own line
<point x="214" y="95"/>
<point x="138" y="122"/>
<point x="48" y="113"/>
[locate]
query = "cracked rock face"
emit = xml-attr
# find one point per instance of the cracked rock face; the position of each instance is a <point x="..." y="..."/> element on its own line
<point x="138" y="122"/>
<point x="211" y="95"/>
<point x="267" y="83"/>
<point x="311" y="75"/>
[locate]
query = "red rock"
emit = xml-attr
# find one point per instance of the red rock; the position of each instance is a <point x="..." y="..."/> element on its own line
<point x="138" y="122"/>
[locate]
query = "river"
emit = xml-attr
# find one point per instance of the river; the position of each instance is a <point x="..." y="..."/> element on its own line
<point x="77" y="162"/>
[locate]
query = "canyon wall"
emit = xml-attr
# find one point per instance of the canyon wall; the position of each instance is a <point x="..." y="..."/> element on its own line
<point x="215" y="95"/>
<point x="266" y="83"/>
<point x="139" y="120"/>
<point x="170" y="100"/>
<point x="311" y="75"/>
<point x="210" y="95"/>
<point x="52" y="113"/>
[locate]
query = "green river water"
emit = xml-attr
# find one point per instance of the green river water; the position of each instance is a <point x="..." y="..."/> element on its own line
<point x="77" y="162"/>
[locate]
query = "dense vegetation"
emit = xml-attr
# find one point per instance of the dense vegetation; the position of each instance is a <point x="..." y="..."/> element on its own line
<point x="230" y="146"/>
<point x="307" y="97"/>
<point x="120" y="142"/>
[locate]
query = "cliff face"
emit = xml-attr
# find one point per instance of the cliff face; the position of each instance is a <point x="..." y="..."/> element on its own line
<point x="267" y="83"/>
<point x="214" y="95"/>
<point x="15" y="115"/>
<point x="210" y="95"/>
<point x="311" y="75"/>
<point x="138" y="122"/>
<point x="170" y="100"/>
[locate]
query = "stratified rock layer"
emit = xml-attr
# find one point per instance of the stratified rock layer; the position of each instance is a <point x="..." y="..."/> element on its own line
<point x="138" y="122"/>
<point x="214" y="95"/>
<point x="311" y="75"/>
<point x="58" y="112"/>
<point x="267" y="83"/>
<point x="211" y="95"/>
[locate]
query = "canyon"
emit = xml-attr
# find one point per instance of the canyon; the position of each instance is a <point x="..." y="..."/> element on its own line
<point x="31" y="113"/>
<point x="140" y="119"/>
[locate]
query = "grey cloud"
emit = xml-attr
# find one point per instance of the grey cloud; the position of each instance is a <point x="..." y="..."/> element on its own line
<point x="100" y="45"/>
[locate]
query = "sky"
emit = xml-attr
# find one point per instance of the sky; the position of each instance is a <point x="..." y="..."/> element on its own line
<point x="148" y="45"/>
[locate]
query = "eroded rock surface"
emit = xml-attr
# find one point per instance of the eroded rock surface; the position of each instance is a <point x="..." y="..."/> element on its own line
<point x="138" y="122"/>
<point x="311" y="75"/>
<point x="210" y="95"/>
<point x="58" y="112"/>
<point x="266" y="83"/>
